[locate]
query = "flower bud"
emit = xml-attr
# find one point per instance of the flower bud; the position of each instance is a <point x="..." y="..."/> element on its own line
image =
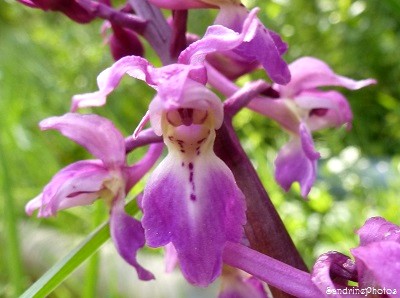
<point x="70" y="8"/>
<point x="124" y="42"/>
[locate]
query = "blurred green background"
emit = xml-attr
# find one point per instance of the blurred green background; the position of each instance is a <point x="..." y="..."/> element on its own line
<point x="45" y="59"/>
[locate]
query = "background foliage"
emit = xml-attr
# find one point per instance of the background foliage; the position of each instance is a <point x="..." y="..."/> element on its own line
<point x="45" y="59"/>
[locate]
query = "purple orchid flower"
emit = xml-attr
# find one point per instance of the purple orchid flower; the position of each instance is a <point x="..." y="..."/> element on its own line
<point x="108" y="177"/>
<point x="376" y="267"/>
<point x="265" y="47"/>
<point x="192" y="190"/>
<point x="302" y="108"/>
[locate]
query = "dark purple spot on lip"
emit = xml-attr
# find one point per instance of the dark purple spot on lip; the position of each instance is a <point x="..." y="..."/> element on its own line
<point x="191" y="177"/>
<point x="201" y="141"/>
<point x="183" y="151"/>
<point x="193" y="197"/>
<point x="183" y="164"/>
<point x="190" y="166"/>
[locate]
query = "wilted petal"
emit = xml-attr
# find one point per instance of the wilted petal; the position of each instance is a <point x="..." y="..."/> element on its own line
<point x="296" y="161"/>
<point x="109" y="79"/>
<point x="128" y="237"/>
<point x="98" y="135"/>
<point x="219" y="38"/>
<point x="310" y="73"/>
<point x="378" y="229"/>
<point x="76" y="184"/>
<point x="378" y="264"/>
<point x="332" y="270"/>
<point x="197" y="206"/>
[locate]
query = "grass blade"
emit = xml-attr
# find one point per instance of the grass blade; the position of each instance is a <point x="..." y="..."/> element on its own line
<point x="62" y="269"/>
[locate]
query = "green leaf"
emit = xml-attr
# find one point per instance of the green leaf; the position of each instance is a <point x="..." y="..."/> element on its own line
<point x="63" y="268"/>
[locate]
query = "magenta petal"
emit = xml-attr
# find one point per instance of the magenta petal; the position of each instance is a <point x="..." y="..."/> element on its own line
<point x="270" y="55"/>
<point x="332" y="270"/>
<point x="128" y="237"/>
<point x="378" y="263"/>
<point x="98" y="135"/>
<point x="219" y="38"/>
<point x="296" y="161"/>
<point x="378" y="229"/>
<point x="179" y="4"/>
<point x="197" y="207"/>
<point x="311" y="73"/>
<point x="109" y="79"/>
<point x="76" y="184"/>
<point x="337" y="109"/>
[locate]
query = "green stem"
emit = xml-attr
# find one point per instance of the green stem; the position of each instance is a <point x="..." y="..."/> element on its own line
<point x="11" y="230"/>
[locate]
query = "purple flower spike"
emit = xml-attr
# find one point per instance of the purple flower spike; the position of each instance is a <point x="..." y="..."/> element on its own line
<point x="302" y="108"/>
<point x="191" y="200"/>
<point x="108" y="177"/>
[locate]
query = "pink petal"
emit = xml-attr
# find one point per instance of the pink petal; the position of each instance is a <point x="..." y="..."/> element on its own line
<point x="310" y="73"/>
<point x="74" y="185"/>
<point x="297" y="161"/>
<point x="378" y="229"/>
<point x="194" y="96"/>
<point x="180" y="4"/>
<point x="378" y="263"/>
<point x="128" y="237"/>
<point x="196" y="206"/>
<point x="219" y="38"/>
<point x="338" y="111"/>
<point x="98" y="135"/>
<point x="109" y="79"/>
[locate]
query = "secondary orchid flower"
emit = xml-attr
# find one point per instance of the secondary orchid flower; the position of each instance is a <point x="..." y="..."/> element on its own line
<point x="108" y="177"/>
<point x="376" y="267"/>
<point x="265" y="47"/>
<point x="302" y="108"/>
